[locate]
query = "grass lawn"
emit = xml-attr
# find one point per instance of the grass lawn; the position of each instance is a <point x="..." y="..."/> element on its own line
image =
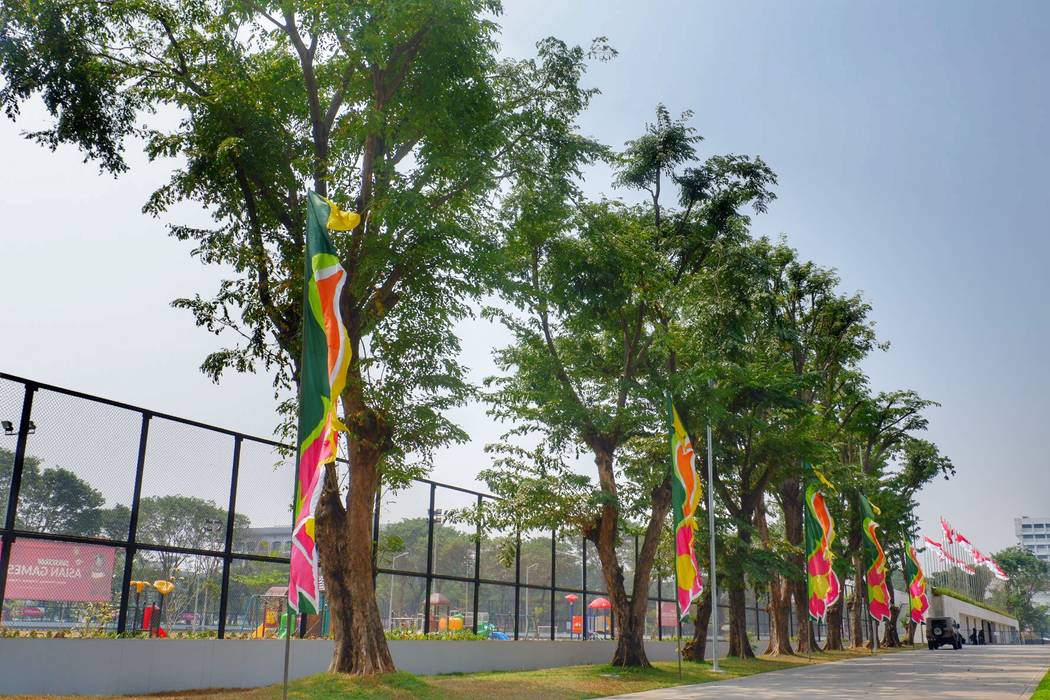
<point x="1043" y="691"/>
<point x="556" y="684"/>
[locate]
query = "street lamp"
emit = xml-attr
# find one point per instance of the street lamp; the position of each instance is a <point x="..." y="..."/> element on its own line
<point x="571" y="599"/>
<point x="390" y="607"/>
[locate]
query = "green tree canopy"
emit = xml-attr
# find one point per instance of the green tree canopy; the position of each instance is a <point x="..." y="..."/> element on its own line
<point x="52" y="499"/>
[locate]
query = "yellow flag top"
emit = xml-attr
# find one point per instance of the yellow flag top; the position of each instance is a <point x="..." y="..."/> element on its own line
<point x="339" y="220"/>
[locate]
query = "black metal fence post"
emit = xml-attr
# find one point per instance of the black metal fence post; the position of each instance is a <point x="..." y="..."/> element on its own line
<point x="430" y="561"/>
<point x="660" y="606"/>
<point x="133" y="526"/>
<point x="227" y="549"/>
<point x="477" y="566"/>
<point x="554" y="581"/>
<point x="16" y="484"/>
<point x="583" y="602"/>
<point x="517" y="582"/>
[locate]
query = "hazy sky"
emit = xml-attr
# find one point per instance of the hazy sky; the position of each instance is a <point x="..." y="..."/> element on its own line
<point x="911" y="141"/>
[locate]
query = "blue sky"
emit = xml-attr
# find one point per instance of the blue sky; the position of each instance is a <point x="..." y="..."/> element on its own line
<point x="911" y="141"/>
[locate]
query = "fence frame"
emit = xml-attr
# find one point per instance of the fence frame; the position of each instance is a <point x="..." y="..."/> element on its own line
<point x="131" y="546"/>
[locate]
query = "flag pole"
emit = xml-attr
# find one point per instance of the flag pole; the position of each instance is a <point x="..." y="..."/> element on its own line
<point x="678" y="618"/>
<point x="711" y="534"/>
<point x="287" y="600"/>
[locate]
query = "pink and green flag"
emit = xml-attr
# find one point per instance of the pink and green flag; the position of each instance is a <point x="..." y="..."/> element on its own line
<point x="876" y="570"/>
<point x="685" y="498"/>
<point x="915" y="579"/>
<point x="822" y="584"/>
<point x="325" y="357"/>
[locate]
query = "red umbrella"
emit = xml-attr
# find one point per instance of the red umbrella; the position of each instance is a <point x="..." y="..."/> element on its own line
<point x="572" y="598"/>
<point x="600" y="604"/>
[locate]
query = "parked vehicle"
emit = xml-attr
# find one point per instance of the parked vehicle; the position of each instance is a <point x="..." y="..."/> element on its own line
<point x="941" y="631"/>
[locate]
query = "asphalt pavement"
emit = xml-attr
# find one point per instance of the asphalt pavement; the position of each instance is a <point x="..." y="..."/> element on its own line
<point x="973" y="672"/>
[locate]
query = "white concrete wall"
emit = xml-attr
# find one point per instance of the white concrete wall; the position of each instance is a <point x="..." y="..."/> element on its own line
<point x="126" y="666"/>
<point x="969" y="616"/>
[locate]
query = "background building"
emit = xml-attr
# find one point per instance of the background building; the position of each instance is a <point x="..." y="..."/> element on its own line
<point x="268" y="540"/>
<point x="1033" y="534"/>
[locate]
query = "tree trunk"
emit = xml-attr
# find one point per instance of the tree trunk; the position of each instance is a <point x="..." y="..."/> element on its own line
<point x="739" y="644"/>
<point x="911" y="627"/>
<point x="630" y="610"/>
<point x="344" y="539"/>
<point x="779" y="618"/>
<point x="890" y="637"/>
<point x="792" y="502"/>
<point x="856" y="611"/>
<point x="834" y="638"/>
<point x="779" y="596"/>
<point x="696" y="648"/>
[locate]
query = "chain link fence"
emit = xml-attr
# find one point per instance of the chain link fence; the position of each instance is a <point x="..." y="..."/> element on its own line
<point x="100" y="500"/>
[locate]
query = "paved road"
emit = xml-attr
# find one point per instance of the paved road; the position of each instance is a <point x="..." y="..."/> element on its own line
<point x="985" y="673"/>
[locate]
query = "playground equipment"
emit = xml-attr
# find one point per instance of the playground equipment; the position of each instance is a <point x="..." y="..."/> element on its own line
<point x="156" y="612"/>
<point x="274" y="614"/>
<point x="139" y="586"/>
<point x="270" y="609"/>
<point x="571" y="600"/>
<point x="438" y="621"/>
<point x="602" y="607"/>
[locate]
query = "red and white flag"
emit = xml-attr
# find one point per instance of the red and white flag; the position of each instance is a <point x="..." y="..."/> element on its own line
<point x="949" y="533"/>
<point x="938" y="548"/>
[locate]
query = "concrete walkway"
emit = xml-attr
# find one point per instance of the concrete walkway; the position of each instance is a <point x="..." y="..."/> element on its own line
<point x="984" y="673"/>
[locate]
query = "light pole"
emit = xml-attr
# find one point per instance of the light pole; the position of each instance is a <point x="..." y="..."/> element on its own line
<point x="527" y="570"/>
<point x="390" y="606"/>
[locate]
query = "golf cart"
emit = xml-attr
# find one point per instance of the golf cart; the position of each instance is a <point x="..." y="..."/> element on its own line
<point x="943" y="630"/>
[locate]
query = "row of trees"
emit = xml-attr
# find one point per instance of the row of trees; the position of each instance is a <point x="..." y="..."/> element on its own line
<point x="465" y="168"/>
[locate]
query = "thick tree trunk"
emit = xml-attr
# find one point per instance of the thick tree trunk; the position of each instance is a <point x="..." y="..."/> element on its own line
<point x="344" y="538"/>
<point x="834" y="638"/>
<point x="779" y="618"/>
<point x="739" y="644"/>
<point x="696" y="648"/>
<point x="630" y="610"/>
<point x="779" y="596"/>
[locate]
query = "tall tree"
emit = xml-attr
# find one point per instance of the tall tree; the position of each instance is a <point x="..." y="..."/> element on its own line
<point x="398" y="110"/>
<point x="823" y="334"/>
<point x="595" y="288"/>
<point x="874" y="430"/>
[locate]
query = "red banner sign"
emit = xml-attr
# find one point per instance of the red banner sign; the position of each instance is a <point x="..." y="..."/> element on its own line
<point x="41" y="570"/>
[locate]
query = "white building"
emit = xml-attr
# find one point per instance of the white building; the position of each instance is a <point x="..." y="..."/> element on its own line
<point x="1033" y="534"/>
<point x="264" y="540"/>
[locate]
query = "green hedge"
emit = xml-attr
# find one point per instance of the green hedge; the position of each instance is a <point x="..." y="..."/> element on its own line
<point x="967" y="599"/>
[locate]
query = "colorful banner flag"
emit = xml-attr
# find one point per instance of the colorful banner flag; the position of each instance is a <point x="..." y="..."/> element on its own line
<point x="819" y="528"/>
<point x="685" y="498"/>
<point x="915" y="579"/>
<point x="875" y="565"/>
<point x="325" y="357"/>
